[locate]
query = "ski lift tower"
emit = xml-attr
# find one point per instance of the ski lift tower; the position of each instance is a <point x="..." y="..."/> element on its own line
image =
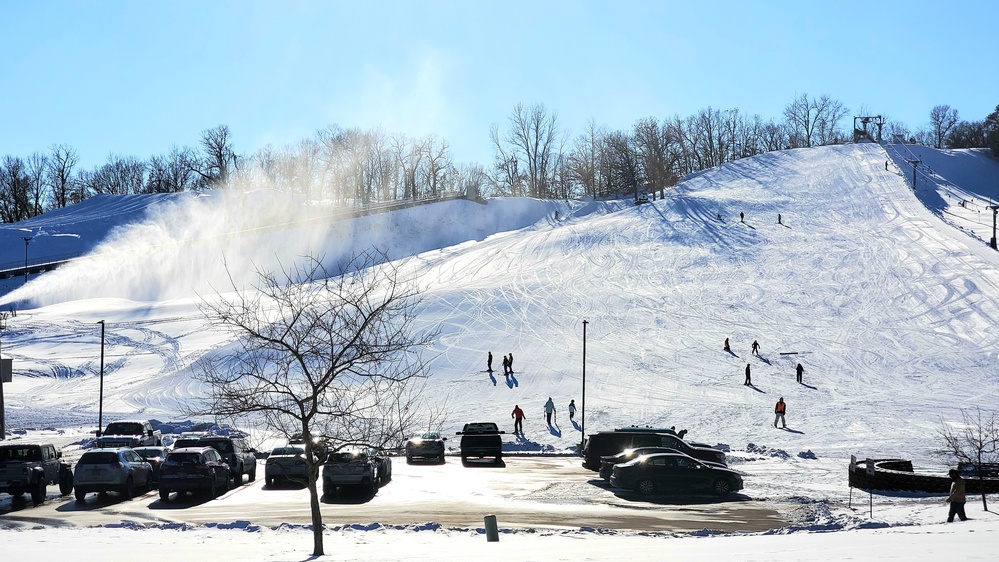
<point x="867" y="123"/>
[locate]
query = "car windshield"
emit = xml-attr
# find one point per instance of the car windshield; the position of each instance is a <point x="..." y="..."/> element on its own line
<point x="103" y="457"/>
<point x="184" y="458"/>
<point x="430" y="436"/>
<point x="186" y="442"/>
<point x="347" y="457"/>
<point x="124" y="428"/>
<point x="288" y="451"/>
<point x="220" y="446"/>
<point x="20" y="454"/>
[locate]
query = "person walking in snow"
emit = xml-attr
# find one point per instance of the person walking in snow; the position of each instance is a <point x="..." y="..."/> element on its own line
<point x="742" y="217"/>
<point x="779" y="410"/>
<point x="518" y="420"/>
<point x="506" y="366"/>
<point x="511" y="364"/>
<point x="726" y="347"/>
<point x="799" y="370"/>
<point x="549" y="410"/>
<point x="572" y="409"/>
<point x="489" y="362"/>
<point x="778" y="219"/>
<point x="749" y="380"/>
<point x="956" y="498"/>
<point x="756" y="348"/>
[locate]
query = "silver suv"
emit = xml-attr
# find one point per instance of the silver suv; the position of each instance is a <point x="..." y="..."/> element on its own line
<point x="112" y="470"/>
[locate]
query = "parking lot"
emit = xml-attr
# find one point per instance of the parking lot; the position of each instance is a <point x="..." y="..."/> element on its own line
<point x="553" y="492"/>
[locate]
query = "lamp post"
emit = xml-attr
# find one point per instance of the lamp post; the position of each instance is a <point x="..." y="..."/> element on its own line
<point x="100" y="400"/>
<point x="995" y="209"/>
<point x="3" y="410"/>
<point x="26" y="240"/>
<point x="582" y="410"/>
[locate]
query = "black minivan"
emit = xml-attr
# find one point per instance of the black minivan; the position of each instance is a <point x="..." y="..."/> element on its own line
<point x="613" y="442"/>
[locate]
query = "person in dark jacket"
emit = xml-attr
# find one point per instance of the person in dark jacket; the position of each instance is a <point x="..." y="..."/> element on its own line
<point x="756" y="348"/>
<point x="727" y="348"/>
<point x="489" y="362"/>
<point x="572" y="409"/>
<point x="749" y="380"/>
<point x="956" y="498"/>
<point x="799" y="370"/>
<point x="511" y="363"/>
<point x="506" y="366"/>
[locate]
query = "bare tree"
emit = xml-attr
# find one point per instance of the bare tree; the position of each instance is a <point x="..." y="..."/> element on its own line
<point x="219" y="160"/>
<point x="942" y="119"/>
<point x="322" y="354"/>
<point x="584" y="159"/>
<point x="813" y="120"/>
<point x="532" y="139"/>
<point x="37" y="169"/>
<point x="61" y="164"/>
<point x="974" y="440"/>
<point x="13" y="189"/>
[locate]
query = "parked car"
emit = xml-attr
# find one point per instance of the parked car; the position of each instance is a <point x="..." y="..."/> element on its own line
<point x="195" y="470"/>
<point x="31" y="467"/>
<point x="607" y="463"/>
<point x="363" y="470"/>
<point x="425" y="446"/>
<point x="674" y="473"/>
<point x="119" y="470"/>
<point x="606" y="443"/>
<point x="481" y="439"/>
<point x="128" y="433"/>
<point x="155" y="457"/>
<point x="240" y="458"/>
<point x="286" y="462"/>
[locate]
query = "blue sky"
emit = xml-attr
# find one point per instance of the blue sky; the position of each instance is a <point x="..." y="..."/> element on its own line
<point x="138" y="77"/>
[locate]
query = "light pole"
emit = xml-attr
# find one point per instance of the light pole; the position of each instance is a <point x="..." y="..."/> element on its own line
<point x="3" y="410"/>
<point x="582" y="410"/>
<point x="995" y="209"/>
<point x="100" y="400"/>
<point x="26" y="240"/>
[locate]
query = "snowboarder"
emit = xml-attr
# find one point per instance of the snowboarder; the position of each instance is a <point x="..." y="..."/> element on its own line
<point x="799" y="369"/>
<point x="549" y="410"/>
<point x="742" y="217"/>
<point x="727" y="348"/>
<point x="572" y="409"/>
<point x="756" y="348"/>
<point x="956" y="498"/>
<point x="749" y="381"/>
<point x="506" y="366"/>
<point x="518" y="420"/>
<point x="489" y="362"/>
<point x="779" y="410"/>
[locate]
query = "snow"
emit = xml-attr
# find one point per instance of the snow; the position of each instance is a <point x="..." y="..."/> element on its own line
<point x="888" y="297"/>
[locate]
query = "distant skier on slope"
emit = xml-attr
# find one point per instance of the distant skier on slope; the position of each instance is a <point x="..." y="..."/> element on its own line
<point x="489" y="362"/>
<point x="506" y="366"/>
<point x="749" y="380"/>
<point x="572" y="409"/>
<point x="549" y="410"/>
<point x="799" y="370"/>
<point x="779" y="410"/>
<point x="726" y="347"/>
<point x="756" y="348"/>
<point x="518" y="420"/>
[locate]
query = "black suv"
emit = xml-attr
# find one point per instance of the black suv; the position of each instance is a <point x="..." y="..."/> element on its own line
<point x="608" y="443"/>
<point x="240" y="458"/>
<point x="481" y="439"/>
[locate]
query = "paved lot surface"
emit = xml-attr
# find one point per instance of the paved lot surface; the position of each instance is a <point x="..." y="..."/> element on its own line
<point x="522" y="492"/>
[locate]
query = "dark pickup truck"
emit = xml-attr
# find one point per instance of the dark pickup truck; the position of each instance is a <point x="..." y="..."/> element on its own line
<point x="31" y="467"/>
<point x="481" y="439"/>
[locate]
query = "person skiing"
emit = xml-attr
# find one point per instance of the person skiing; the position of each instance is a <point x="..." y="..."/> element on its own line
<point x="779" y="410"/>
<point x="506" y="366"/>
<point x="778" y="219"/>
<point x="572" y="409"/>
<point x="742" y="217"/>
<point x="749" y="381"/>
<point x="511" y="363"/>
<point x="549" y="410"/>
<point x="489" y="362"/>
<point x="799" y="370"/>
<point x="756" y="348"/>
<point x="518" y="420"/>
<point x="727" y="348"/>
<point x="956" y="498"/>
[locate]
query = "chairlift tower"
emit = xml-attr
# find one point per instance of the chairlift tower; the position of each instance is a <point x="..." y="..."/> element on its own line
<point x="864" y="131"/>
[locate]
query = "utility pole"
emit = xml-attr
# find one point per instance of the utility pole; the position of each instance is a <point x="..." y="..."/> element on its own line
<point x="995" y="209"/>
<point x="100" y="399"/>
<point x="914" y="164"/>
<point x="582" y="410"/>
<point x="3" y="409"/>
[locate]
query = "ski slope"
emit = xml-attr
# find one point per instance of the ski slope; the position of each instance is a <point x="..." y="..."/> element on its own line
<point x="888" y="307"/>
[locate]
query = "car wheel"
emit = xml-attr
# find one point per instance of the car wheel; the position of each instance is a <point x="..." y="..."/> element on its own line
<point x="645" y="487"/>
<point x="38" y="493"/>
<point x="65" y="481"/>
<point x="253" y="474"/>
<point x="164" y="495"/>
<point x="269" y="482"/>
<point x="440" y="459"/>
<point x="722" y="487"/>
<point x="409" y="459"/>
<point x="81" y="496"/>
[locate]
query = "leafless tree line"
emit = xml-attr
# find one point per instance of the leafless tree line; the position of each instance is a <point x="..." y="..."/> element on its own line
<point x="533" y="156"/>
